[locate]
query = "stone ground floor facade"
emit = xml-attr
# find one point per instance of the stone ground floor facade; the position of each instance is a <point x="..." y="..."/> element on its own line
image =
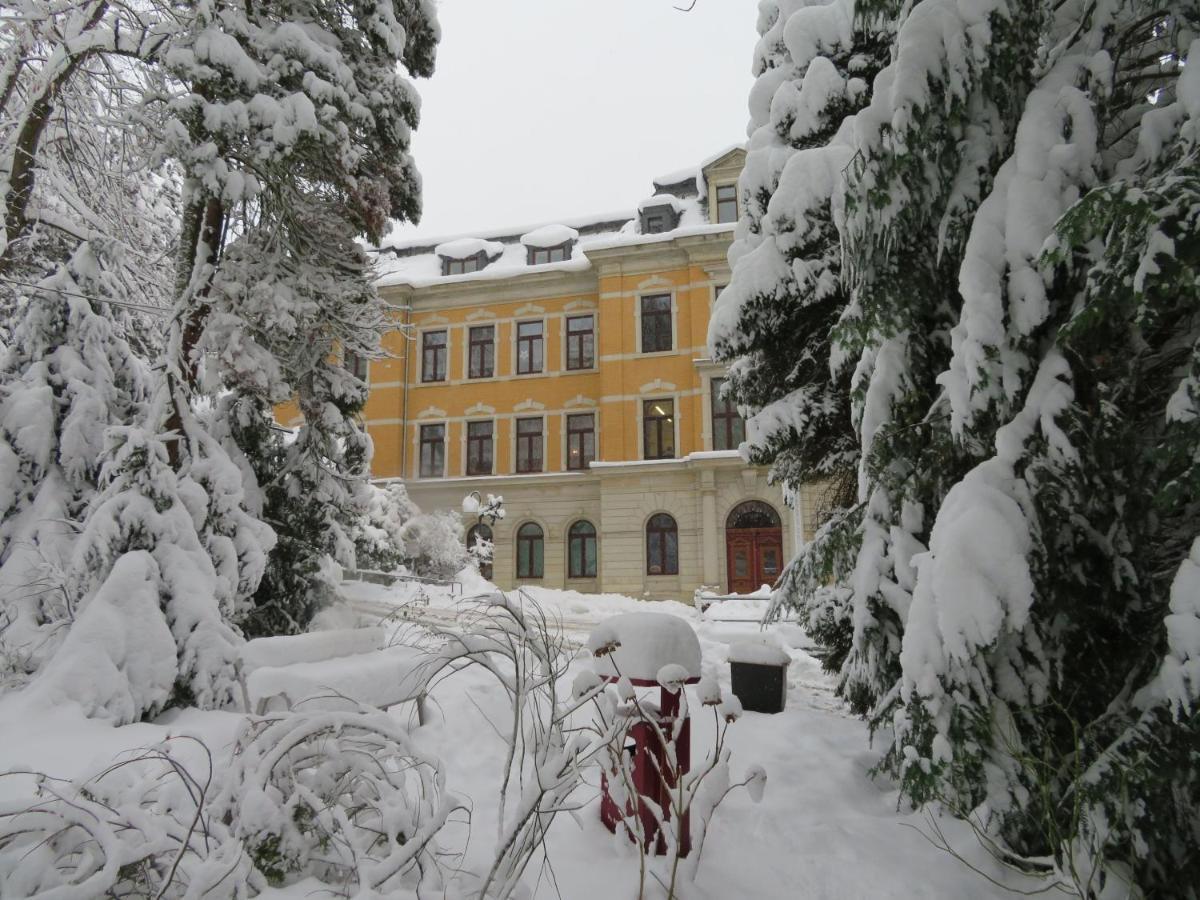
<point x="656" y="529"/>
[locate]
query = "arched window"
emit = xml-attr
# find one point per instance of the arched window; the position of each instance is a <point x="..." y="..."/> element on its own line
<point x="481" y="533"/>
<point x="752" y="514"/>
<point x="662" y="545"/>
<point x="581" y="550"/>
<point x="530" y="547"/>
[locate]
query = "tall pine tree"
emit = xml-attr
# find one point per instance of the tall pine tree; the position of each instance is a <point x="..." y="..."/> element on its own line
<point x="1019" y="245"/>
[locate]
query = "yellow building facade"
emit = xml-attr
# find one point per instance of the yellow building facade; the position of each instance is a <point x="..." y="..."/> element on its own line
<point x="566" y="369"/>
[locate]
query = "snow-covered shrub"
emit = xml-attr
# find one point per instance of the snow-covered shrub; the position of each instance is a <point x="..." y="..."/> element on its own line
<point x="147" y="510"/>
<point x="140" y="827"/>
<point x="434" y="545"/>
<point x="339" y="795"/>
<point x="548" y="755"/>
<point x="66" y="377"/>
<point x="378" y="543"/>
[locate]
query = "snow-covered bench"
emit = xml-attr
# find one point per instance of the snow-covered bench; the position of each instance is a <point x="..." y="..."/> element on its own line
<point x="325" y="668"/>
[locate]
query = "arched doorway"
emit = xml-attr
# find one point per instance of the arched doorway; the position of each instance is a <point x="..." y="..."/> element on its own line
<point x="753" y="546"/>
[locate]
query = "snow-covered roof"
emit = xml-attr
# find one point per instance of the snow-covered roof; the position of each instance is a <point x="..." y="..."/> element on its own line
<point x="549" y="236"/>
<point x="695" y="173"/>
<point x="465" y="248"/>
<point x="416" y="261"/>
<point x="662" y="200"/>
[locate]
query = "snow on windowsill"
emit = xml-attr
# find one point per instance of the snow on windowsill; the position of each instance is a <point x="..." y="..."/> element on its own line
<point x="696" y="456"/>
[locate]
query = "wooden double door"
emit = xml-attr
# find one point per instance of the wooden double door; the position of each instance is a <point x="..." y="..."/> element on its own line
<point x="754" y="557"/>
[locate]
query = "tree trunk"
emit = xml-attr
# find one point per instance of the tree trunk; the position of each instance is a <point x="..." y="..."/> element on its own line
<point x="200" y="250"/>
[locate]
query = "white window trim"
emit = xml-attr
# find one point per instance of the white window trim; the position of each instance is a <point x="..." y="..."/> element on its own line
<point x="421" y="353"/>
<point x="516" y="417"/>
<point x="463" y="445"/>
<point x="579" y="314"/>
<point x="566" y="449"/>
<point x="466" y="344"/>
<point x="417" y="449"/>
<point x="737" y="199"/>
<point x="637" y="320"/>
<point x="566" y="543"/>
<point x="516" y="327"/>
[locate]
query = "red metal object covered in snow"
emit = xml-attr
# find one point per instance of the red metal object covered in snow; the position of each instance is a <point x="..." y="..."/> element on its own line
<point x="645" y="643"/>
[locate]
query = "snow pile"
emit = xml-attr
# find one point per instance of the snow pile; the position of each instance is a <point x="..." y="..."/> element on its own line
<point x="763" y="651"/>
<point x="552" y="235"/>
<point x="465" y="248"/>
<point x="378" y="678"/>
<point x="676" y="205"/>
<point x="1179" y="678"/>
<point x="286" y="650"/>
<point x="638" y="645"/>
<point x="118" y="660"/>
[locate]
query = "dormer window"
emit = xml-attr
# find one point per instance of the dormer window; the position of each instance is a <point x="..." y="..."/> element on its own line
<point x="727" y="205"/>
<point x="659" y="214"/>
<point x="467" y="255"/>
<point x="549" y="244"/>
<point x="539" y="255"/>
<point x="464" y="266"/>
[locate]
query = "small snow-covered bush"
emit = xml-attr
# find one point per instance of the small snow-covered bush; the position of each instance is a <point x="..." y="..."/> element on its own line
<point x="137" y="828"/>
<point x="340" y="795"/>
<point x="433" y="544"/>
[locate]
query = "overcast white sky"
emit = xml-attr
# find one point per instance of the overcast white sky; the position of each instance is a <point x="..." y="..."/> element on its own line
<point x="550" y="109"/>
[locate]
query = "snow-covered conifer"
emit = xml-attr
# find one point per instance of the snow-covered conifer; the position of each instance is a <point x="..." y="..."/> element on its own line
<point x="147" y="510"/>
<point x="67" y="376"/>
<point x="1017" y="229"/>
<point x="295" y="130"/>
<point x="775" y="321"/>
<point x="1060" y="635"/>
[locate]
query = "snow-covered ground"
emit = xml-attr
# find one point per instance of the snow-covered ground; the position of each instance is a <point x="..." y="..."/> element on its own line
<point x="823" y="828"/>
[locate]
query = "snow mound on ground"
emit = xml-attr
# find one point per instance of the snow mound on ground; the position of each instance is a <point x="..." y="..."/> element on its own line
<point x="759" y="651"/>
<point x="645" y="643"/>
<point x="286" y="650"/>
<point x="119" y="658"/>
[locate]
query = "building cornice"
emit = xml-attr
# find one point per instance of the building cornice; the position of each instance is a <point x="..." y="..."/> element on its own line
<point x="520" y="286"/>
<point x="706" y="247"/>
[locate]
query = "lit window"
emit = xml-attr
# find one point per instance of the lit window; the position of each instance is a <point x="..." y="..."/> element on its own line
<point x="433" y="356"/>
<point x="727" y="205"/>
<point x="581" y="440"/>
<point x="656" y="323"/>
<point x="433" y="451"/>
<point x="662" y="545"/>
<point x="658" y="429"/>
<point x="529" y="445"/>
<point x="581" y="342"/>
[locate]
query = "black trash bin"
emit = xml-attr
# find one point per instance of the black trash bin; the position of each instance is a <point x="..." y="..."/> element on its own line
<point x="758" y="672"/>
